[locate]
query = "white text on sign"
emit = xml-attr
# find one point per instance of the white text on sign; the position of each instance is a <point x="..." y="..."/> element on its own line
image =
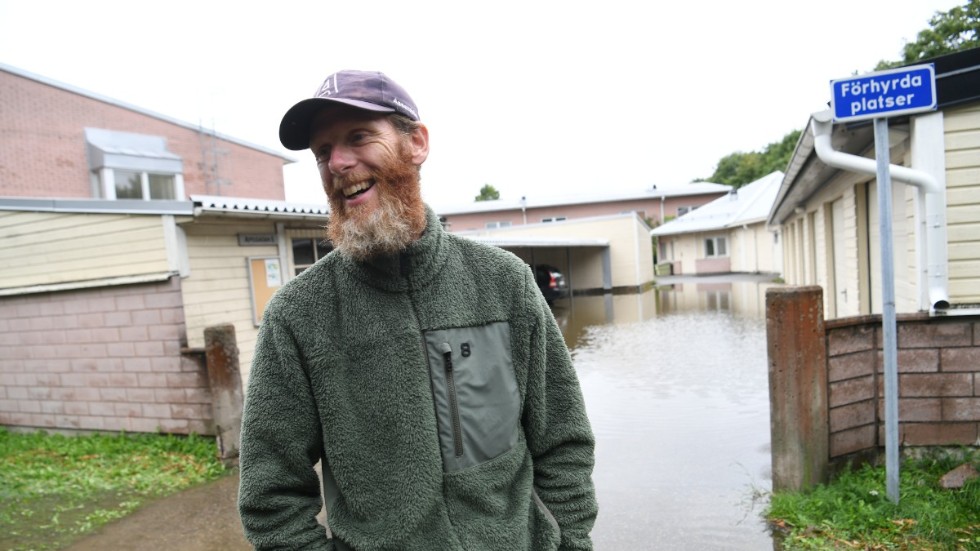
<point x="888" y="93"/>
<point x="879" y="91"/>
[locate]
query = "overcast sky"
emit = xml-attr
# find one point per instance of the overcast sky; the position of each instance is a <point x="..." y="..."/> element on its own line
<point x="537" y="98"/>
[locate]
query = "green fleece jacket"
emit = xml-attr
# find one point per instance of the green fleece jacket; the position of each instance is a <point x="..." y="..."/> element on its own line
<point x="436" y="391"/>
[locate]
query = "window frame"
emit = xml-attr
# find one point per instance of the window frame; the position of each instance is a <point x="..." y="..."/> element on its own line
<point x="105" y="180"/>
<point x="317" y="245"/>
<point x="711" y="246"/>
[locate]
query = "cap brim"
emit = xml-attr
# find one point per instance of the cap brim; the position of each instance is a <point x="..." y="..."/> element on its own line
<point x="294" y="130"/>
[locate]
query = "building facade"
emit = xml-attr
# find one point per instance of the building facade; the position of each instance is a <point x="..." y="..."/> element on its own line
<point x="728" y="235"/>
<point x="654" y="206"/>
<point x="58" y="141"/>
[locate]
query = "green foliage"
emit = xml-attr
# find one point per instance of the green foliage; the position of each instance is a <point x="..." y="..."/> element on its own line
<point x="854" y="512"/>
<point x="54" y="487"/>
<point x="488" y="193"/>
<point x="738" y="169"/>
<point x="948" y="32"/>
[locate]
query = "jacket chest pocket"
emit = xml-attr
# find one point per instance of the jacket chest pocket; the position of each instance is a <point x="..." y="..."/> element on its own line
<point x="478" y="405"/>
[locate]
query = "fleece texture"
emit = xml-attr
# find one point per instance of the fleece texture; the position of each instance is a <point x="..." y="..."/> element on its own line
<point x="342" y="375"/>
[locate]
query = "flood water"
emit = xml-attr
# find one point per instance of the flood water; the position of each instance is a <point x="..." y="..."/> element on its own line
<point x="675" y="383"/>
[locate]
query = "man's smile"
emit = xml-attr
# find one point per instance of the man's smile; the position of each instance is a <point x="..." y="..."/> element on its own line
<point x="357" y="189"/>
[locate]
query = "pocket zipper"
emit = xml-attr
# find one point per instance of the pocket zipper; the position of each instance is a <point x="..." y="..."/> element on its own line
<point x="447" y="355"/>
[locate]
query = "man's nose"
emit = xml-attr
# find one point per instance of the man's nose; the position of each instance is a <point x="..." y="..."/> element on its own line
<point x="341" y="160"/>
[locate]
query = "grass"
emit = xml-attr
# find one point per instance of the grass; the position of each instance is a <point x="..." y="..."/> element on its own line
<point x="55" y="488"/>
<point x="854" y="512"/>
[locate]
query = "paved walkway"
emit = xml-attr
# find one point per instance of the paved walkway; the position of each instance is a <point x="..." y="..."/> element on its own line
<point x="204" y="518"/>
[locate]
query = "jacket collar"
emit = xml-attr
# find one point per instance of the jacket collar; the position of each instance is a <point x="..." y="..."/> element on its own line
<point x="412" y="267"/>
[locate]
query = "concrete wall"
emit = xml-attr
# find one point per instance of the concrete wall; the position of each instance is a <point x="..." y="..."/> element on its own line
<point x="43" y="148"/>
<point x="105" y="359"/>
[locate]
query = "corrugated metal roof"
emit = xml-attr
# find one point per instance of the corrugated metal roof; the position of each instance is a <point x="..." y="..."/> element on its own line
<point x="746" y="205"/>
<point x="214" y="203"/>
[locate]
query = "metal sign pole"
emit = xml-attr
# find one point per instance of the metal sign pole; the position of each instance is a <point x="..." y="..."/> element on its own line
<point x="888" y="325"/>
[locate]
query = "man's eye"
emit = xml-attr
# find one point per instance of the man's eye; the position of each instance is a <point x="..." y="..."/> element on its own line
<point x="357" y="137"/>
<point x="322" y="155"/>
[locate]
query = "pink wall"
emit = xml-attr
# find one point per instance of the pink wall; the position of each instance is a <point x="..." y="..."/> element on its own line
<point x="101" y="359"/>
<point x="938" y="379"/>
<point x="43" y="149"/>
<point x="650" y="208"/>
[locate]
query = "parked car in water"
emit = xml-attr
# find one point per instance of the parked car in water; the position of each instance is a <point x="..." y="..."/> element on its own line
<point x="551" y="282"/>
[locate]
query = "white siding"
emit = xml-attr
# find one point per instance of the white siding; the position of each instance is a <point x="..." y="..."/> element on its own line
<point x="217" y="290"/>
<point x="752" y="249"/>
<point x="42" y="248"/>
<point x="962" y="128"/>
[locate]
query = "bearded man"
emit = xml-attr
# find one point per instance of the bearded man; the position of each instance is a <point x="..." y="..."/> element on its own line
<point x="423" y="371"/>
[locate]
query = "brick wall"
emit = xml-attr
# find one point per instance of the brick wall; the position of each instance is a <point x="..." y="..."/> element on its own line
<point x="826" y="385"/>
<point x="43" y="149"/>
<point x="104" y="359"/>
<point x="938" y="377"/>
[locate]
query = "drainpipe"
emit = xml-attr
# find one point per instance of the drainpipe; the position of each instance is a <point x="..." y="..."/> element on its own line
<point x="931" y="193"/>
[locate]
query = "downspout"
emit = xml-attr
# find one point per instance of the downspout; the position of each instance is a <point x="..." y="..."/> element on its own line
<point x="930" y="191"/>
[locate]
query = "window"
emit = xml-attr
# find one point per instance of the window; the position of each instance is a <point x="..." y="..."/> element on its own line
<point x="498" y="224"/>
<point x="130" y="184"/>
<point x="681" y="211"/>
<point x="125" y="165"/>
<point x="716" y="246"/>
<point x="553" y="219"/>
<point x="306" y="251"/>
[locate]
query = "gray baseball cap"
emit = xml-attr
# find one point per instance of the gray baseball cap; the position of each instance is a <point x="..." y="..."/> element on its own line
<point x="368" y="90"/>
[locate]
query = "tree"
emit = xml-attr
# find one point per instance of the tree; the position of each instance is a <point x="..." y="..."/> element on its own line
<point x="738" y="169"/>
<point x="948" y="32"/>
<point x="488" y="193"/>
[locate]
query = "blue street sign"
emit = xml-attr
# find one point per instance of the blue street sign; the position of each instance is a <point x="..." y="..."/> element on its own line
<point x="884" y="94"/>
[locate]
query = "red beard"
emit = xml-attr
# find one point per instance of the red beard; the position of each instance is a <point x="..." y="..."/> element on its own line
<point x="397" y="220"/>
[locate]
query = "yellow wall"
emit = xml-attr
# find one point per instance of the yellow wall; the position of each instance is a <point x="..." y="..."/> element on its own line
<point x="861" y="284"/>
<point x="217" y="289"/>
<point x="630" y="249"/>
<point x="44" y="248"/>
<point x="962" y="140"/>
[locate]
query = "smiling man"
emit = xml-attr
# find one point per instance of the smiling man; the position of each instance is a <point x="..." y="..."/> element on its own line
<point x="423" y="371"/>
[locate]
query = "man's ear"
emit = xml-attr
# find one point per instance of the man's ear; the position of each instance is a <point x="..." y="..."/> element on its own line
<point x="419" y="144"/>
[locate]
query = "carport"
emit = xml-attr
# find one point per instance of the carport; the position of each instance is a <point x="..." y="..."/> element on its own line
<point x="580" y="259"/>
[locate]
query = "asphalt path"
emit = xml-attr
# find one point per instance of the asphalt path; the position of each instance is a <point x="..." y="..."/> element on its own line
<point x="203" y="518"/>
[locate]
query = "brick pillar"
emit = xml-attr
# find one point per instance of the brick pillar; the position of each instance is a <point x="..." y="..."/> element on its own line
<point x="797" y="387"/>
<point x="221" y="353"/>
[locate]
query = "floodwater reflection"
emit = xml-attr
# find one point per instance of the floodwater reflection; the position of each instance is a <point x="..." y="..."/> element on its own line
<point x="675" y="381"/>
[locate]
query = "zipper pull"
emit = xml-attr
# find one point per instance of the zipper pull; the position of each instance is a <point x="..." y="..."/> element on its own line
<point x="447" y="354"/>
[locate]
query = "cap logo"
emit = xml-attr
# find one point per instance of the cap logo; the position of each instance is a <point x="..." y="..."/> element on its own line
<point x="325" y="87"/>
<point x="405" y="107"/>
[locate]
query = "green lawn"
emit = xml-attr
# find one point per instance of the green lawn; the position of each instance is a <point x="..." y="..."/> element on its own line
<point x="54" y="488"/>
<point x="854" y="512"/>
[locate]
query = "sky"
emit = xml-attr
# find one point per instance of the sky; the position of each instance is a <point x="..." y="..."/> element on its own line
<point x="541" y="99"/>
